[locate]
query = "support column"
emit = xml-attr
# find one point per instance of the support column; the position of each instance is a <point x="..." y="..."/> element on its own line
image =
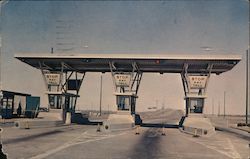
<point x="126" y="86"/>
<point x="195" y="86"/>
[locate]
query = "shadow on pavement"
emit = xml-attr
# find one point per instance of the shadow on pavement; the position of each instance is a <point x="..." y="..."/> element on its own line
<point x="157" y="125"/>
<point x="31" y="137"/>
<point x="148" y="146"/>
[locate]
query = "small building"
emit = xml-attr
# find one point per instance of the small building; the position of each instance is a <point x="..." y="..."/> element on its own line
<point x="15" y="104"/>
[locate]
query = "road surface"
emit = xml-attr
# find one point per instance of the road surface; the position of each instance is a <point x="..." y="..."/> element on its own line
<point x="83" y="142"/>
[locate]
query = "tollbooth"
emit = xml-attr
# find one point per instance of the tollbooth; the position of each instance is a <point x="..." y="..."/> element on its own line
<point x="126" y="71"/>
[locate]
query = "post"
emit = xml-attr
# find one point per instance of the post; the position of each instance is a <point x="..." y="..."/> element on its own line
<point x="0" y="46"/>
<point x="213" y="107"/>
<point x="195" y="133"/>
<point x="52" y="50"/>
<point x="219" y="109"/>
<point x="224" y="114"/>
<point x="137" y="131"/>
<point x="187" y="107"/>
<point x="163" y="108"/>
<point x="108" y="109"/>
<point x="247" y="86"/>
<point x="98" y="128"/>
<point x="101" y="97"/>
<point x="1" y="130"/>
<point x="247" y="68"/>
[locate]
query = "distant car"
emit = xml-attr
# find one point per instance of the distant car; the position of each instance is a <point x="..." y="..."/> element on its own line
<point x="138" y="120"/>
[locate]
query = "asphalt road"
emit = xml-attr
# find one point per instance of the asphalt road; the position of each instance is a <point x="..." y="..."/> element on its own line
<point x="150" y="144"/>
<point x="83" y="142"/>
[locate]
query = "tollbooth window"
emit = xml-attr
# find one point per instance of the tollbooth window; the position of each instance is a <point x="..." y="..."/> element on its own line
<point x="196" y="105"/>
<point x="123" y="102"/>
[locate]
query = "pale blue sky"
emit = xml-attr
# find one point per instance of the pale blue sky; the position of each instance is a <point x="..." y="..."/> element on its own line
<point x="162" y="27"/>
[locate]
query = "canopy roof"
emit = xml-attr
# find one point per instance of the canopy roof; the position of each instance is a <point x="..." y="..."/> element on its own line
<point x="123" y="62"/>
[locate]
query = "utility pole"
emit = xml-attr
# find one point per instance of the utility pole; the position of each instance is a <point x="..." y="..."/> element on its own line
<point x="213" y="106"/>
<point x="108" y="109"/>
<point x="219" y="109"/>
<point x="247" y="68"/>
<point x="224" y="114"/>
<point x="101" y="96"/>
<point x="1" y="4"/>
<point x="247" y="85"/>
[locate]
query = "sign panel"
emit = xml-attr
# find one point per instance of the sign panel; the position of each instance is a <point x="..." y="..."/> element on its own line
<point x="122" y="79"/>
<point x="52" y="78"/>
<point x="197" y="82"/>
<point x="73" y="84"/>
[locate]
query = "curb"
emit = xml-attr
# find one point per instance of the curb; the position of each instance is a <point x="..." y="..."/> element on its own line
<point x="240" y="133"/>
<point x="239" y="128"/>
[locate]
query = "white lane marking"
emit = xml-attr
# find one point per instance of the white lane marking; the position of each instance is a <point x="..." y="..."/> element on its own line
<point x="72" y="143"/>
<point x="234" y="152"/>
<point x="224" y="147"/>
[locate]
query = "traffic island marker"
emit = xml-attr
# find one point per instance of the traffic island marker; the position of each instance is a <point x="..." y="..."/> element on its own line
<point x="163" y="132"/>
<point x="27" y="125"/>
<point x="195" y="133"/>
<point x="98" y="128"/>
<point x="137" y="132"/>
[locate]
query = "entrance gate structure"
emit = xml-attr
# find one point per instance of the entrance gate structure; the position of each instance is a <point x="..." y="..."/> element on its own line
<point x="62" y="87"/>
<point x="126" y="84"/>
<point x="126" y="71"/>
<point x="195" y="86"/>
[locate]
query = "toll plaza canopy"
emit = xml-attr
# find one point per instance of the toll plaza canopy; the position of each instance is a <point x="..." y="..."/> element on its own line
<point x="123" y="62"/>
